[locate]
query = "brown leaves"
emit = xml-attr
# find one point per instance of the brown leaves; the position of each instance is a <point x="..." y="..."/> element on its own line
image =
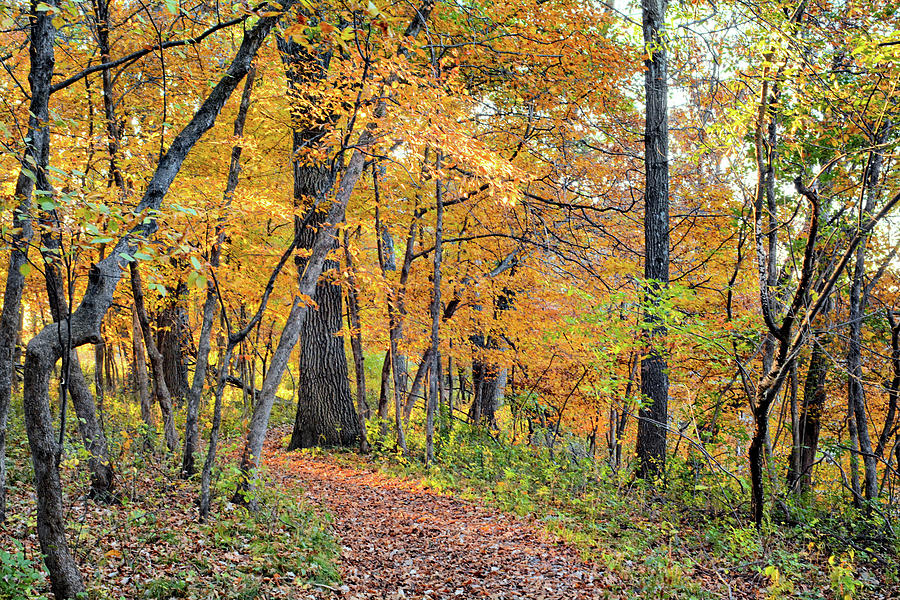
<point x="402" y="541"/>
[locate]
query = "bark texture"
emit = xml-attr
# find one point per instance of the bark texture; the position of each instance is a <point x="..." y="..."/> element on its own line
<point x="33" y="169"/>
<point x="855" y="391"/>
<point x="83" y="325"/>
<point x="102" y="472"/>
<point x="139" y="368"/>
<point x="259" y="421"/>
<point x="325" y="413"/>
<point x="651" y="440"/>
<point x="810" y="424"/>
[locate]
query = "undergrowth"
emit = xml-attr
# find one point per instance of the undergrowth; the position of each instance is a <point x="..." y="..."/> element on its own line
<point x="150" y="544"/>
<point x="687" y="538"/>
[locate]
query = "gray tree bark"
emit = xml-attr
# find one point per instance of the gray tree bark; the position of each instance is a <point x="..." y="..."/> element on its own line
<point x="855" y="391"/>
<point x="141" y="381"/>
<point x="83" y="325"/>
<point x="99" y="465"/>
<point x="160" y="386"/>
<point x="34" y="163"/>
<point x="259" y="421"/>
<point x="651" y="440"/>
<point x="191" y="434"/>
<point x="435" y="318"/>
<point x="325" y="413"/>
<point x="810" y="419"/>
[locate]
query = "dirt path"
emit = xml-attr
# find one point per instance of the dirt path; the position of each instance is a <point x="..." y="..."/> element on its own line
<point x="401" y="541"/>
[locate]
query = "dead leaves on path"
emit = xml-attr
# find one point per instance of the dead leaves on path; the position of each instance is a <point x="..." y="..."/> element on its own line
<point x="400" y="540"/>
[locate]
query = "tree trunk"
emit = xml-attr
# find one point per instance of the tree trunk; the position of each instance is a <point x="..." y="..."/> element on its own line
<point x="191" y="433"/>
<point x="855" y="390"/>
<point x="102" y="472"/>
<point x="355" y="327"/>
<point x="173" y="342"/>
<point x="141" y="381"/>
<point x="34" y="163"/>
<point x="810" y="419"/>
<point x="99" y="383"/>
<point x="259" y="422"/>
<point x="325" y="412"/>
<point x="160" y="387"/>
<point x="83" y="325"/>
<point x="384" y="396"/>
<point x="485" y="392"/>
<point x="893" y="386"/>
<point x="651" y="440"/>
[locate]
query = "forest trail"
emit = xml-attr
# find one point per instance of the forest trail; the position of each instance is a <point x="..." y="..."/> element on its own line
<point x="401" y="540"/>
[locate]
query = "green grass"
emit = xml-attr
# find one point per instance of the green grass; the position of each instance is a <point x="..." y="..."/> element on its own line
<point x="689" y="539"/>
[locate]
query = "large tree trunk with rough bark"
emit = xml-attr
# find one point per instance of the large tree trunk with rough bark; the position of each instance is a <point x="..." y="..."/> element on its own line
<point x="485" y="393"/>
<point x="651" y="440"/>
<point x="174" y="343"/>
<point x="259" y="421"/>
<point x="325" y="412"/>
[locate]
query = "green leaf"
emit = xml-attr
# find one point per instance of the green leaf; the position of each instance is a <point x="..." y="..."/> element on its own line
<point x="25" y="269"/>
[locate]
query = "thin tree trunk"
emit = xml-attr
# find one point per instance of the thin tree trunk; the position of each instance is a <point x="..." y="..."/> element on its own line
<point x="224" y="364"/>
<point x="854" y="456"/>
<point x="160" y="387"/>
<point x="99" y="383"/>
<point x="141" y="381"/>
<point x="191" y="435"/>
<point x="651" y="440"/>
<point x="355" y="326"/>
<point x="415" y="390"/>
<point x="855" y="390"/>
<point x="384" y="397"/>
<point x="34" y="162"/>
<point x="893" y="386"/>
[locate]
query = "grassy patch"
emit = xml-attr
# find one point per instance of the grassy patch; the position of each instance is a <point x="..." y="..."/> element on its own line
<point x="687" y="540"/>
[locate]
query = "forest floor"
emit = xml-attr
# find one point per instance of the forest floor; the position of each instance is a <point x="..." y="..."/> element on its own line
<point x="341" y="526"/>
<point x="400" y="539"/>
